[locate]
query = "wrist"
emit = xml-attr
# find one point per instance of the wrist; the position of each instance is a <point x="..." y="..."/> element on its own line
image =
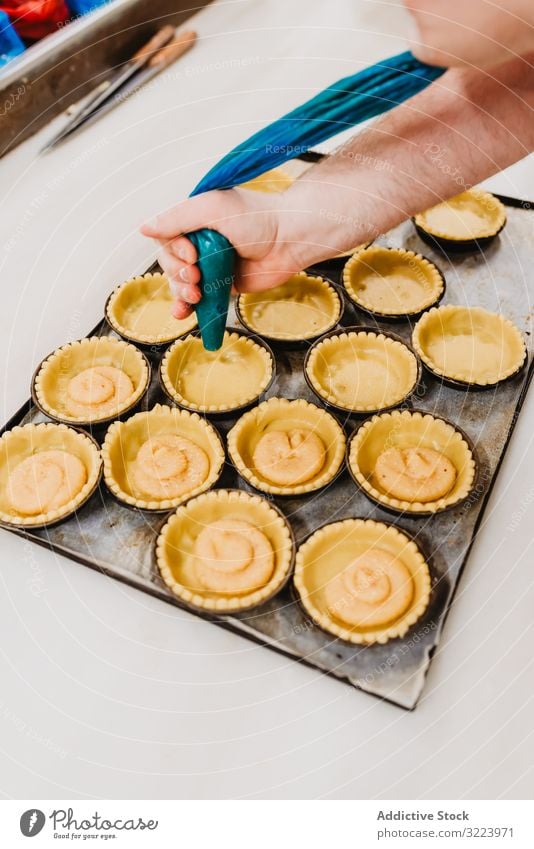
<point x="318" y="220"/>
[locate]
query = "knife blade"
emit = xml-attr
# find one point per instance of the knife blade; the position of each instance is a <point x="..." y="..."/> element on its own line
<point x="161" y="60"/>
<point x="103" y="92"/>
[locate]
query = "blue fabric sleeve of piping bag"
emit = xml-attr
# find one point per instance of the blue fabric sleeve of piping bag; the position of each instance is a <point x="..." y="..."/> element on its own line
<point x="344" y="104"/>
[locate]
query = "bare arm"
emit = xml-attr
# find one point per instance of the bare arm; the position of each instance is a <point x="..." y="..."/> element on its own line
<point x="464" y="128"/>
<point x="467" y="126"/>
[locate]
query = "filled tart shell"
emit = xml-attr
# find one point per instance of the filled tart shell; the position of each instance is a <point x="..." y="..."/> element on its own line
<point x="469" y="346"/>
<point x="282" y="416"/>
<point x="392" y="283"/>
<point x="139" y="310"/>
<point x="411" y="430"/>
<point x="360" y="370"/>
<point x="301" y="309"/>
<point x="217" y="382"/>
<point x="328" y="554"/>
<point x="177" y="549"/>
<point x="52" y="382"/>
<point x="28" y="441"/>
<point x="125" y="464"/>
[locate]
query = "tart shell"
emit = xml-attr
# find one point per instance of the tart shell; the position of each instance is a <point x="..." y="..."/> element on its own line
<point x="124" y="439"/>
<point x="497" y="349"/>
<point x="274" y="181"/>
<point x="175" y="542"/>
<point x="322" y="308"/>
<point x="261" y="370"/>
<point x="379" y="262"/>
<point x="50" y="380"/>
<point x="146" y="297"/>
<point x="24" y="441"/>
<point x="411" y="429"/>
<point x="327" y="552"/>
<point x="283" y="414"/>
<point x="383" y="349"/>
<point x="434" y="225"/>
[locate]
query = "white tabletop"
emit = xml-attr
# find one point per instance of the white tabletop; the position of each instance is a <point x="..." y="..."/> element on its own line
<point x="107" y="692"/>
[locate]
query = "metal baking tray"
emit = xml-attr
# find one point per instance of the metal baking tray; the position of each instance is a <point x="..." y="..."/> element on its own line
<point x="62" y="68"/>
<point x="120" y="542"/>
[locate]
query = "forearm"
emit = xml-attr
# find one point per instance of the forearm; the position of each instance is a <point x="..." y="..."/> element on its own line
<point x="464" y="128"/>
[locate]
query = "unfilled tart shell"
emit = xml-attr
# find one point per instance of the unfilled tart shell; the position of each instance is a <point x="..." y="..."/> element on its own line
<point x="281" y="414"/>
<point x="329" y="550"/>
<point x="139" y="310"/>
<point x="52" y="378"/>
<point x="175" y="548"/>
<point x="302" y="308"/>
<point x="406" y="429"/>
<point x="124" y="440"/>
<point x="360" y="371"/>
<point x="216" y="381"/>
<point x="24" y="441"/>
<point x="468" y="217"/>
<point x="392" y="282"/>
<point x="469" y="345"/>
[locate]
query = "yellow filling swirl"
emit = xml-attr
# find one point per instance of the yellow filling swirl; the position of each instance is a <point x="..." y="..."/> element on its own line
<point x="45" y="482"/>
<point x="415" y="474"/>
<point x="168" y="466"/>
<point x="233" y="557"/>
<point x="373" y="590"/>
<point x="288" y="458"/>
<point x="98" y="391"/>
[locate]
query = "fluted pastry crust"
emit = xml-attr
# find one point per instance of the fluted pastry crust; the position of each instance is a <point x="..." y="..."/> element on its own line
<point x="60" y="486"/>
<point x="139" y="310"/>
<point x="211" y="574"/>
<point x="142" y="472"/>
<point x="469" y="345"/>
<point x="362" y="581"/>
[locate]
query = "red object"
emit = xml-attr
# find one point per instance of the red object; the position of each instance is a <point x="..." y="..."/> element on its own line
<point x="33" y="19"/>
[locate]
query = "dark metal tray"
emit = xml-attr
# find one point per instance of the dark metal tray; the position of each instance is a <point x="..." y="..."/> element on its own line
<point x="120" y="542"/>
<point x="62" y="68"/>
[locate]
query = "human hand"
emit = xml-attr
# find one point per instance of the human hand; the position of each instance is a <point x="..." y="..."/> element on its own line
<point x="249" y="220"/>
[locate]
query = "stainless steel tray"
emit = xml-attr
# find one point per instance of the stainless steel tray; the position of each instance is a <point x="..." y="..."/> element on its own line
<point x="62" y="68"/>
<point x="120" y="542"/>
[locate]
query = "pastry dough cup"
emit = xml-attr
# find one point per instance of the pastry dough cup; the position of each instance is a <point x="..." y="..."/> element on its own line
<point x="274" y="181"/>
<point x="282" y="414"/>
<point x="365" y="278"/>
<point x="124" y="439"/>
<point x="138" y="308"/>
<point x="317" y="312"/>
<point x="26" y="440"/>
<point x="175" y="547"/>
<point x="395" y="361"/>
<point x="492" y="344"/>
<point x="331" y="548"/>
<point x="50" y="381"/>
<point x="234" y="392"/>
<point x="446" y="226"/>
<point x="411" y="429"/>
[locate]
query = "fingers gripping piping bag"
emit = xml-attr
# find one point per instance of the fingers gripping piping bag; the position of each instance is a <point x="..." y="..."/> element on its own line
<point x="343" y="104"/>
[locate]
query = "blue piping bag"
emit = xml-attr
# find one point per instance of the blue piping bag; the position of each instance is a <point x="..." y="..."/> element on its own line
<point x="344" y="104"/>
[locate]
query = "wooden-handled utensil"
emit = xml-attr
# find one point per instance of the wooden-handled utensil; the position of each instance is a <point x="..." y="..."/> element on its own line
<point x="153" y="57"/>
